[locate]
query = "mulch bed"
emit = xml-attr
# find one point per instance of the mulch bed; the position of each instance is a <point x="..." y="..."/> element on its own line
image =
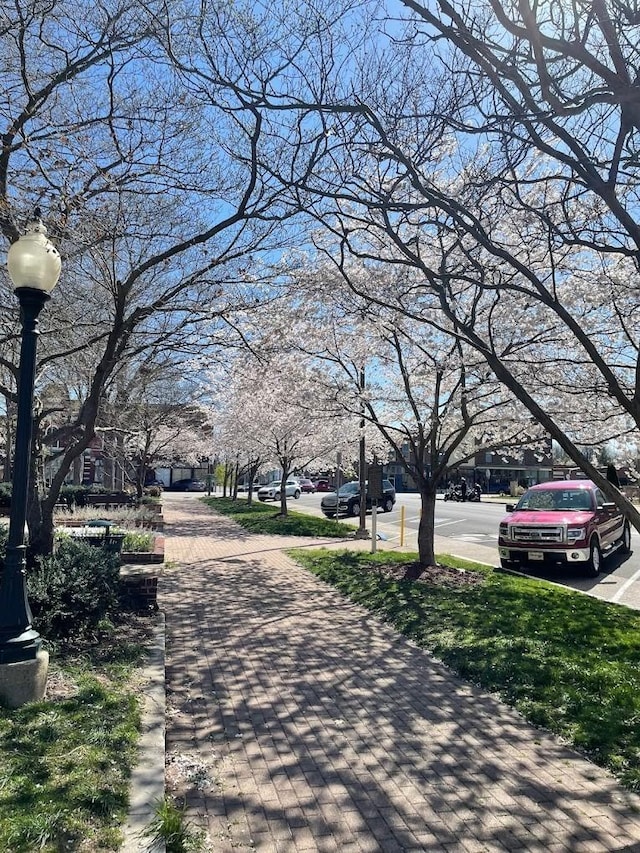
<point x="437" y="575"/>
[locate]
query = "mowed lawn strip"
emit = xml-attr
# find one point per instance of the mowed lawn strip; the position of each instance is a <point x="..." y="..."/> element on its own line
<point x="566" y="661"/>
<point x="65" y="763"/>
<point x="259" y="517"/>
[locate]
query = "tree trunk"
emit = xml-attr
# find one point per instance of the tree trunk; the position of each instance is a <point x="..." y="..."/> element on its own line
<point x="283" y="490"/>
<point x="226" y="480"/>
<point x="426" y="528"/>
<point x="41" y="534"/>
<point x="253" y="470"/>
<point x="141" y="476"/>
<point x="8" y="441"/>
<point x="44" y="543"/>
<point x="236" y="474"/>
<point x="34" y="511"/>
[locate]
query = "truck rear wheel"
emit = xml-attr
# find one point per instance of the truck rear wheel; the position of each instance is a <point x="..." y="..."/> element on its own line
<point x="594" y="563"/>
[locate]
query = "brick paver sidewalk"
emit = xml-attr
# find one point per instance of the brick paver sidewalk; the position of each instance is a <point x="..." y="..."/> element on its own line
<point x="298" y="722"/>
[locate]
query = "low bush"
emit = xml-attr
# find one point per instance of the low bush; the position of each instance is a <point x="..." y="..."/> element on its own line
<point x="77" y="495"/>
<point x="122" y="516"/>
<point x="74" y="590"/>
<point x="137" y="542"/>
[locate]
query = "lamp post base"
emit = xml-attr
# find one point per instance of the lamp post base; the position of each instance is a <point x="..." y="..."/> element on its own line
<point x="24" y="681"/>
<point x="19" y="648"/>
<point x="19" y="641"/>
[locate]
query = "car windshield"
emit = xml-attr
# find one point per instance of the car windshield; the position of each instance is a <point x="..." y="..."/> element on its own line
<point x="349" y="489"/>
<point x="556" y="499"/>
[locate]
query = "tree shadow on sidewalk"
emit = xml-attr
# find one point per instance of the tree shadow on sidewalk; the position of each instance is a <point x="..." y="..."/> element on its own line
<point x="309" y="722"/>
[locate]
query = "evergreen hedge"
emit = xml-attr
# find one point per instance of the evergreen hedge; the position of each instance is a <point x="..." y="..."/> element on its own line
<point x="73" y="591"/>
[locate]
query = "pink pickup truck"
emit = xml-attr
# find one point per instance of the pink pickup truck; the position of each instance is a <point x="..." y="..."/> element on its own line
<point x="562" y="522"/>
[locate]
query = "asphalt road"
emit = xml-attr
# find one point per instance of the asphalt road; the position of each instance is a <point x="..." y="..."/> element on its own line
<point x="477" y="524"/>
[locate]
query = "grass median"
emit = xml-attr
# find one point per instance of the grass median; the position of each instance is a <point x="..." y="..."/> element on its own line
<point x="568" y="662"/>
<point x="259" y="517"/>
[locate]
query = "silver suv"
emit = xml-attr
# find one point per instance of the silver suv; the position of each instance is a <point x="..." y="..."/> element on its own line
<point x="272" y="490"/>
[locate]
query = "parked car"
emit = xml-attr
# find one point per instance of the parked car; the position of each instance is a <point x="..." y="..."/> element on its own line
<point x="306" y="485"/>
<point x="322" y="486"/>
<point x="188" y="484"/>
<point x="563" y="522"/>
<point x="154" y="484"/>
<point x="272" y="490"/>
<point x="347" y="499"/>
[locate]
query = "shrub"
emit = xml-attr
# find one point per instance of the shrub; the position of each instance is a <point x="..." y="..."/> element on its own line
<point x="72" y="591"/>
<point x="122" y="516"/>
<point x="73" y="495"/>
<point x="137" y="542"/>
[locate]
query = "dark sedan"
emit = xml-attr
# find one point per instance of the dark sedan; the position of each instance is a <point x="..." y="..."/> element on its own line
<point x="188" y="484"/>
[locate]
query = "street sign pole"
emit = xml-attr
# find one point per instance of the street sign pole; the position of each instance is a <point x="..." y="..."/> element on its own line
<point x="374" y="525"/>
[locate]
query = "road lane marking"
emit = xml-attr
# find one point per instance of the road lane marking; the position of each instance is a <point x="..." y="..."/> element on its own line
<point x="625" y="586"/>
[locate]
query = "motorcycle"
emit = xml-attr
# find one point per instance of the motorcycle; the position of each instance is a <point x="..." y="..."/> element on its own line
<point x="474" y="493"/>
<point x="454" y="493"/>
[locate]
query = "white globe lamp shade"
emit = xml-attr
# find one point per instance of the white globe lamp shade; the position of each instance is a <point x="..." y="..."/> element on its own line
<point x="33" y="261"/>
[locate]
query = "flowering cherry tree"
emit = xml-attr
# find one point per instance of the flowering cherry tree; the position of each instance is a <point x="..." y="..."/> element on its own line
<point x="153" y="194"/>
<point x="272" y="405"/>
<point x="428" y="395"/>
<point x="490" y="152"/>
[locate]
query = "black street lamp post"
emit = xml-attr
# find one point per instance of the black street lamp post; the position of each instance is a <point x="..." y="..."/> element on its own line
<point x="34" y="267"/>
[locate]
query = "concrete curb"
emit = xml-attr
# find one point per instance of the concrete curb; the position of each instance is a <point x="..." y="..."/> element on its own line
<point x="146" y="787"/>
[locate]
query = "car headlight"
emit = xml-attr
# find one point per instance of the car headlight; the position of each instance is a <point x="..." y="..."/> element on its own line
<point x="504" y="530"/>
<point x="575" y="533"/>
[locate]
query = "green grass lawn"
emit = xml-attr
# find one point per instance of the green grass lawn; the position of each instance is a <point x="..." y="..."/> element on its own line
<point x="263" y="518"/>
<point x="566" y="661"/>
<point x="65" y="762"/>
